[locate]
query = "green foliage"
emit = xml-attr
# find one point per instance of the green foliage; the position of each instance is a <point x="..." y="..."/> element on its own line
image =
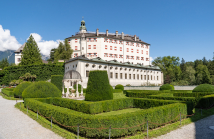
<point x="63" y="51"/>
<point x="160" y="115"/>
<point x="167" y="87"/>
<point x="119" y="86"/>
<point x="8" y="91"/>
<point x="117" y="91"/>
<point x="196" y="94"/>
<point x="41" y="90"/>
<point x="202" y="75"/>
<point x="204" y="88"/>
<point x="172" y="87"/>
<point x="57" y="81"/>
<point x="20" y="88"/>
<point x="180" y="83"/>
<point x="31" y="53"/>
<point x="206" y="102"/>
<point x="98" y="87"/>
<point x="79" y="87"/>
<point x="43" y="72"/>
<point x="4" y="63"/>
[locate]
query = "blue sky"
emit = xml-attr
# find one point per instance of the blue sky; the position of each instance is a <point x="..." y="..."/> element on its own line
<point x="183" y="28"/>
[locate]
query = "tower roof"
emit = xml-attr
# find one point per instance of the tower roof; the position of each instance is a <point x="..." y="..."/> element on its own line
<point x="83" y="27"/>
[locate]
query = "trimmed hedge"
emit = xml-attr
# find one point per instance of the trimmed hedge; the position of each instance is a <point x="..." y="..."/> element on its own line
<point x="119" y="86"/>
<point x="41" y="89"/>
<point x="20" y="88"/>
<point x="198" y="94"/>
<point x="167" y="87"/>
<point x="98" y="87"/>
<point x="204" y="88"/>
<point x="43" y="72"/>
<point x="67" y="117"/>
<point x="117" y="91"/>
<point x="206" y="102"/>
<point x="182" y="91"/>
<point x="57" y="80"/>
<point x="8" y="92"/>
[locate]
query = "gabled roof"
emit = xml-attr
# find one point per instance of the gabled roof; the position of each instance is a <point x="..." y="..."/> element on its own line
<point x="20" y="48"/>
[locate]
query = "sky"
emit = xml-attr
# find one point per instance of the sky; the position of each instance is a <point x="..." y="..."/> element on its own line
<point x="181" y="28"/>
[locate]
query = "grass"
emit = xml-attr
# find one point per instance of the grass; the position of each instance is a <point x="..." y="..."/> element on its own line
<point x="119" y="112"/>
<point x="119" y="95"/>
<point x="47" y="124"/>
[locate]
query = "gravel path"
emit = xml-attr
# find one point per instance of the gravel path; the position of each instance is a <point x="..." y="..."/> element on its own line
<point x="16" y="125"/>
<point x="197" y="130"/>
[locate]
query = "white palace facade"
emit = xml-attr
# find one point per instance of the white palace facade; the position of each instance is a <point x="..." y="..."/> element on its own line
<point x="124" y="57"/>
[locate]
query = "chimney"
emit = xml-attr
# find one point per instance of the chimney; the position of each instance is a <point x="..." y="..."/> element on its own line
<point x="107" y="32"/>
<point x="122" y="35"/>
<point x="97" y="32"/>
<point x="116" y="33"/>
<point x="135" y="38"/>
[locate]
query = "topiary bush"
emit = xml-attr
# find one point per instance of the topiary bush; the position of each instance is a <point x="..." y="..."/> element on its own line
<point x="204" y="88"/>
<point x="57" y="80"/>
<point x="20" y="88"/>
<point x="119" y="86"/>
<point x="41" y="89"/>
<point x="166" y="87"/>
<point x="98" y="87"/>
<point x="173" y="88"/>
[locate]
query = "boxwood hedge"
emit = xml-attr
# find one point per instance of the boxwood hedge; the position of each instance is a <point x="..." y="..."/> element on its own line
<point x="8" y="92"/>
<point x="57" y="81"/>
<point x="204" y="88"/>
<point x="93" y="124"/>
<point x="20" y="88"/>
<point x="119" y="86"/>
<point x="41" y="89"/>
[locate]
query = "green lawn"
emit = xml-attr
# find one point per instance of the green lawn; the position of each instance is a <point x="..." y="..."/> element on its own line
<point x="119" y="112"/>
<point x="119" y="95"/>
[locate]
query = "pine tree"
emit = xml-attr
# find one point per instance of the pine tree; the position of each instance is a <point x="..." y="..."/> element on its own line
<point x="4" y="63"/>
<point x="183" y="67"/>
<point x="31" y="53"/>
<point x="63" y="51"/>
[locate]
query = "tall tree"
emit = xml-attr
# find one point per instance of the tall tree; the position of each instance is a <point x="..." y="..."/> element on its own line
<point x="202" y="75"/>
<point x="52" y="52"/>
<point x="183" y="67"/>
<point x="197" y="62"/>
<point x="204" y="60"/>
<point x="169" y="66"/>
<point x="31" y="53"/>
<point x="63" y="51"/>
<point x="191" y="75"/>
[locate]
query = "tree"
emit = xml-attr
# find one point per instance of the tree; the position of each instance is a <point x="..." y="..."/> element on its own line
<point x="204" y="60"/>
<point x="4" y="63"/>
<point x="169" y="66"/>
<point x="31" y="53"/>
<point x="52" y="54"/>
<point x="183" y="67"/>
<point x="202" y="75"/>
<point x="63" y="51"/>
<point x="191" y="74"/>
<point x="197" y="62"/>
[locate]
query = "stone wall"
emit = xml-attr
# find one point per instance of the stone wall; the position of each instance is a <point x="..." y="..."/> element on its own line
<point x="157" y="87"/>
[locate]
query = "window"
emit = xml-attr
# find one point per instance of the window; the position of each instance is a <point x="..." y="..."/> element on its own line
<point x="115" y="48"/>
<point x="154" y="77"/>
<point x="132" y="57"/>
<point x="132" y="50"/>
<point x="133" y="76"/>
<point x="75" y="47"/>
<point x="130" y="76"/>
<point x="89" y="46"/>
<point x="111" y="74"/>
<point x="116" y="75"/>
<point x="137" y="50"/>
<point x="147" y="77"/>
<point x="121" y="56"/>
<point x="87" y="73"/>
<point x="157" y="77"/>
<point x="75" y="40"/>
<point x="106" y="47"/>
<point x="105" y="54"/>
<point x="141" y="77"/>
<point x="115" y="55"/>
<point x="92" y="39"/>
<point x="125" y="75"/>
<point x="110" y="47"/>
<point x="147" y="53"/>
<point x="121" y="75"/>
<point x="95" y="39"/>
<point x="141" y="51"/>
<point x="127" y="49"/>
<point x="18" y="59"/>
<point x="110" y="55"/>
<point x="147" y="59"/>
<point x="137" y="58"/>
<point x="144" y="77"/>
<point x="151" y="77"/>
<point x="127" y="57"/>
<point x="142" y="58"/>
<point x="121" y="49"/>
<point x="94" y="46"/>
<point x="138" y="76"/>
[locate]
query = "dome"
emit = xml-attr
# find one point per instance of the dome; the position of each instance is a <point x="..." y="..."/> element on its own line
<point x="82" y="21"/>
<point x="72" y="74"/>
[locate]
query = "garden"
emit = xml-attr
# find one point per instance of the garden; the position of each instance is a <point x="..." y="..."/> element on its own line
<point x="112" y="112"/>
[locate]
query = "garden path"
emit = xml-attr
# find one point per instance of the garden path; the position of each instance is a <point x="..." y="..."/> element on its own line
<point x="16" y="125"/>
<point x="196" y="130"/>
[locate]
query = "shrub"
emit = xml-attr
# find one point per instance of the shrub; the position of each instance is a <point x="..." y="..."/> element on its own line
<point x="119" y="86"/>
<point x="166" y="87"/>
<point x="20" y="88"/>
<point x="172" y="87"/>
<point x="204" y="88"/>
<point x="98" y="87"/>
<point x="41" y="89"/>
<point x="57" y="80"/>
<point x="8" y="91"/>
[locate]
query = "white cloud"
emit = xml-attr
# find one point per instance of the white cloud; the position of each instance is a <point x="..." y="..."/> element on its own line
<point x="151" y="59"/>
<point x="45" y="46"/>
<point x="7" y="42"/>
